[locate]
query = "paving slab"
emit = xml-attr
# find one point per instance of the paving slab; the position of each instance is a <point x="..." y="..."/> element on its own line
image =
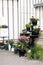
<point x="9" y="58"/>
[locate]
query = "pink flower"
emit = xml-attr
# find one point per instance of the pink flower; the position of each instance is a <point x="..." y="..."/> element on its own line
<point x="23" y="38"/>
<point x="32" y="16"/>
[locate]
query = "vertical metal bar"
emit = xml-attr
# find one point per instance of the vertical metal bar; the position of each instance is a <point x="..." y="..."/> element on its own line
<point x="13" y="16"/>
<point x="2" y="7"/>
<point x="8" y="16"/>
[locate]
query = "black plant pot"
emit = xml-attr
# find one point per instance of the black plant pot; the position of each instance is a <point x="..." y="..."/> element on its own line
<point x="35" y="32"/>
<point x="34" y="22"/>
<point x="22" y="52"/>
<point x="28" y="29"/>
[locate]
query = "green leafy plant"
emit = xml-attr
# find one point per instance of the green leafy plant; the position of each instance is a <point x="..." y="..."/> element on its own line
<point x="37" y="52"/>
<point x="28" y="25"/>
<point x="34" y="19"/>
<point x="11" y="42"/>
<point x="19" y="45"/>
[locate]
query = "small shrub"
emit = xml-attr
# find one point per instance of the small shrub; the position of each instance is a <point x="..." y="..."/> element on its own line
<point x="37" y="52"/>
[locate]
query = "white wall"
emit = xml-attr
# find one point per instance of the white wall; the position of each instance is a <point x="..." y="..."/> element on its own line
<point x="23" y="11"/>
<point x="4" y="19"/>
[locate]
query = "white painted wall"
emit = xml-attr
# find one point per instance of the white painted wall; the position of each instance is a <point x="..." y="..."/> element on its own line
<point x="23" y="11"/>
<point x="4" y="19"/>
<point x="39" y="12"/>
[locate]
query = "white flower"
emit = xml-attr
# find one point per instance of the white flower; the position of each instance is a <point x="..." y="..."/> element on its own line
<point x="29" y="51"/>
<point x="19" y="45"/>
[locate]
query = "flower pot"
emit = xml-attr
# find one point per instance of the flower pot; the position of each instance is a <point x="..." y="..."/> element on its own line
<point x="15" y="50"/>
<point x="6" y="47"/>
<point x="34" y="36"/>
<point x="22" y="52"/>
<point x="35" y="32"/>
<point x="34" y="22"/>
<point x="28" y="29"/>
<point x="24" y="31"/>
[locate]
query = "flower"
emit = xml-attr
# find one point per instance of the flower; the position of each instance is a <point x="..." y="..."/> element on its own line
<point x="23" y="41"/>
<point x="29" y="51"/>
<point x="23" y="38"/>
<point x="32" y="16"/>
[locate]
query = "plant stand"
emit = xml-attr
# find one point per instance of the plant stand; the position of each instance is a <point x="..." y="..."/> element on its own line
<point x="33" y="33"/>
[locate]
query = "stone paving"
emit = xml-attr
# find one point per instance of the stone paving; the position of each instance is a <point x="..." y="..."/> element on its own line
<point x="40" y="40"/>
<point x="9" y="58"/>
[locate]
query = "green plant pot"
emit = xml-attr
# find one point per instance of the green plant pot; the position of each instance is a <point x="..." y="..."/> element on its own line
<point x="15" y="50"/>
<point x="6" y="47"/>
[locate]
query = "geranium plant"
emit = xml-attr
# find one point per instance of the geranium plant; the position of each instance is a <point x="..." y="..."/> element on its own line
<point x="24" y="40"/>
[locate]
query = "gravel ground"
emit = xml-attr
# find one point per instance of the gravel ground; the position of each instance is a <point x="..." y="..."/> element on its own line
<point x="9" y="58"/>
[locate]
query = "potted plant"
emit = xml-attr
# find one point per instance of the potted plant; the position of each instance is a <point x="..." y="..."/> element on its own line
<point x="28" y="25"/>
<point x="6" y="47"/>
<point x="34" y="21"/>
<point x="36" y="31"/>
<point x="16" y="48"/>
<point x="10" y="44"/>
<point x="23" y="42"/>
